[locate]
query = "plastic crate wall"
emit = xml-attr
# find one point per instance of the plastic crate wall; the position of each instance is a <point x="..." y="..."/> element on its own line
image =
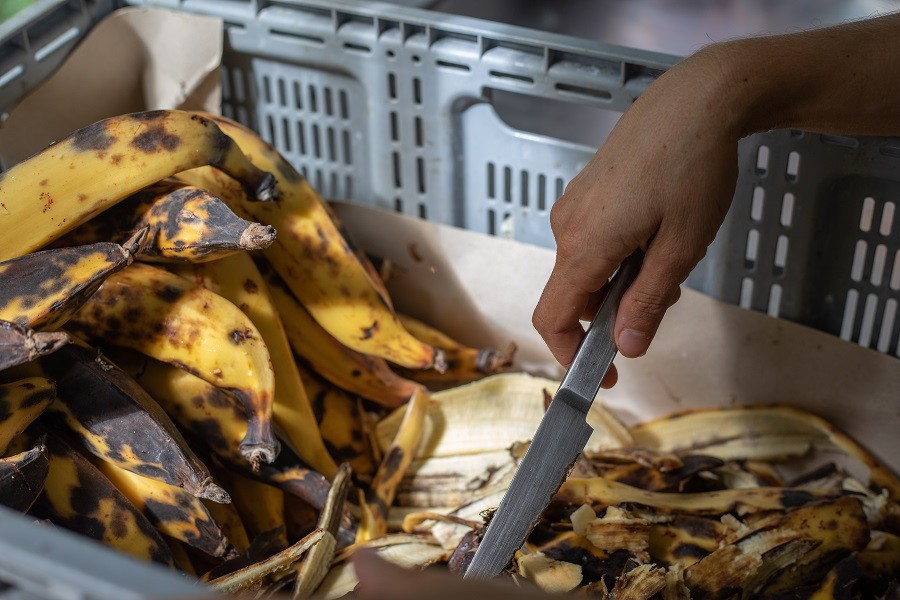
<point x="396" y="107"/>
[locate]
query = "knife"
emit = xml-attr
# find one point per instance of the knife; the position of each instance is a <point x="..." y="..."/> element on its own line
<point x="559" y="439"/>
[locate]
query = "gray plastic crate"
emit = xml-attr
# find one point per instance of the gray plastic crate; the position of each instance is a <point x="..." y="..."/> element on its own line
<point x="398" y="108"/>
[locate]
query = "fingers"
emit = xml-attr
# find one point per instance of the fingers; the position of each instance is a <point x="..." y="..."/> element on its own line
<point x="654" y="290"/>
<point x="571" y="289"/>
<point x="611" y="378"/>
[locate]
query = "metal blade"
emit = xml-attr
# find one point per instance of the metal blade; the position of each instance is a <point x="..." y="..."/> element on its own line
<point x="561" y="436"/>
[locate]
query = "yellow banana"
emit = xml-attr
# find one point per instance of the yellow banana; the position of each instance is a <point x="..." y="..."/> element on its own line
<point x="119" y="422"/>
<point x="316" y="261"/>
<point x="164" y="316"/>
<point x="42" y="290"/>
<point x="207" y="413"/>
<point x="21" y="402"/>
<point x="173" y="512"/>
<point x="78" y="497"/>
<point x="19" y="345"/>
<point x="181" y="556"/>
<point x="185" y="224"/>
<point x="340" y="419"/>
<point x="237" y="279"/>
<point x="22" y="477"/>
<point x="392" y="468"/>
<point x="368" y="376"/>
<point x="54" y="191"/>
<point x="464" y="363"/>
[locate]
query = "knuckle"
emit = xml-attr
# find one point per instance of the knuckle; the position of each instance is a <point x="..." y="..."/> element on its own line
<point x="649" y="305"/>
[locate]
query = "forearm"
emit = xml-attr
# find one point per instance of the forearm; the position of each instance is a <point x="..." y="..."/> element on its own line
<point x="842" y="80"/>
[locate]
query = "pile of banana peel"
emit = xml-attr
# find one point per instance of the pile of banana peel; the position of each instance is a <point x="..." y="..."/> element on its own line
<point x="199" y="368"/>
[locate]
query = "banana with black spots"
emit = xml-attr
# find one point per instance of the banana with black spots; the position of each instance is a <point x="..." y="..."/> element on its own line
<point x="21" y="402"/>
<point x="22" y="477"/>
<point x="464" y="363"/>
<point x="340" y="420"/>
<point x="19" y="345"/>
<point x="162" y="315"/>
<point x="67" y="183"/>
<point x="260" y="506"/>
<point x="42" y="290"/>
<point x="78" y="497"/>
<point x="173" y="511"/>
<point x="237" y="279"/>
<point x="316" y="260"/>
<point x="186" y="224"/>
<point x="369" y="376"/>
<point x="119" y="422"/>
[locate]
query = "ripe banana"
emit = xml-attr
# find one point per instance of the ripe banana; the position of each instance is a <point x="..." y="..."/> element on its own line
<point x="164" y="316"/>
<point x="173" y="511"/>
<point x="119" y="422"/>
<point x="464" y="364"/>
<point x="78" y="497"/>
<point x="42" y="290"/>
<point x="237" y="279"/>
<point x="368" y="376"/>
<point x="20" y="345"/>
<point x="186" y="224"/>
<point x="21" y="402"/>
<point x="340" y="419"/>
<point x="54" y="191"/>
<point x="211" y="417"/>
<point x="752" y="432"/>
<point x="229" y="521"/>
<point x="22" y="478"/>
<point x="393" y="467"/>
<point x="316" y="261"/>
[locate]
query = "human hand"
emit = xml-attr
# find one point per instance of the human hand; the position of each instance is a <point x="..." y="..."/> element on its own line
<point x="662" y="182"/>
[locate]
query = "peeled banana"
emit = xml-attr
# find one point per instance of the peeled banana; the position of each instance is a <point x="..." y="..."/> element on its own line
<point x="164" y="316"/>
<point x="120" y="423"/>
<point x="22" y="477"/>
<point x="237" y="279"/>
<point x="42" y="290"/>
<point x="186" y="224"/>
<point x="21" y="402"/>
<point x="20" y="345"/>
<point x="54" y="191"/>
<point x="320" y="268"/>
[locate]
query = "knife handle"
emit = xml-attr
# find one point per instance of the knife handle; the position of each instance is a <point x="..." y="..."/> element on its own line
<point x="598" y="348"/>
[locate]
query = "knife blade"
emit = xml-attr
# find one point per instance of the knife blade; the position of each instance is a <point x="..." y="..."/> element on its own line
<point x="559" y="439"/>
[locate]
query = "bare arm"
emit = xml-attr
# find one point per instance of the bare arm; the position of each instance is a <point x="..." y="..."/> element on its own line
<point x="665" y="177"/>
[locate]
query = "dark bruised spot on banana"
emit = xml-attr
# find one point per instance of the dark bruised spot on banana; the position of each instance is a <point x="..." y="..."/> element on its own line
<point x="21" y="402"/>
<point x="42" y="290"/>
<point x="19" y="345"/>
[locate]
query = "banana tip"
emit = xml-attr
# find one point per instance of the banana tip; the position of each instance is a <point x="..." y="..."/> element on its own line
<point x="267" y="191"/>
<point x="257" y="236"/>
<point x="213" y="492"/>
<point x="260" y="452"/>
<point x="440" y="361"/>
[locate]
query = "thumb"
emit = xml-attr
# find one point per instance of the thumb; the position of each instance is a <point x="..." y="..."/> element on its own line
<point x="644" y="304"/>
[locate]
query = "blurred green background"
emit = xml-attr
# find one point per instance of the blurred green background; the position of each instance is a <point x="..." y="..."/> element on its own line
<point x="10" y="7"/>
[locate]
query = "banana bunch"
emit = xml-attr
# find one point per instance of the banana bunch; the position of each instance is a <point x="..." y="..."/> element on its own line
<point x="182" y="371"/>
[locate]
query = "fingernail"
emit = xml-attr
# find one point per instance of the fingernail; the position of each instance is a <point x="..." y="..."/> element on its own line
<point x="633" y="343"/>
